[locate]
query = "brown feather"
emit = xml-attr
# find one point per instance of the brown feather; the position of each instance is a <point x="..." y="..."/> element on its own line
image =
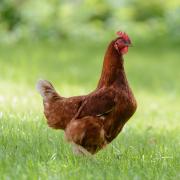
<point x="93" y="120"/>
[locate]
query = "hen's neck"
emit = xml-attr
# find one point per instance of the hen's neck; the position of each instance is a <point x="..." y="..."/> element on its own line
<point x="113" y="69"/>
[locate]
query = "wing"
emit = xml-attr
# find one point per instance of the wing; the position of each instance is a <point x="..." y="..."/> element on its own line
<point x="98" y="103"/>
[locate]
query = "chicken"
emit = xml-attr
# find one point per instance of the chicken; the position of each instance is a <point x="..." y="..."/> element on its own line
<point x="92" y="121"/>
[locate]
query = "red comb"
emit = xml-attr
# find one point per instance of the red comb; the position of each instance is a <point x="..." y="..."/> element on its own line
<point x="123" y="35"/>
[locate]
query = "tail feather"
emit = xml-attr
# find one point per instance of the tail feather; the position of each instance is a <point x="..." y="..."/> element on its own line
<point x="46" y="89"/>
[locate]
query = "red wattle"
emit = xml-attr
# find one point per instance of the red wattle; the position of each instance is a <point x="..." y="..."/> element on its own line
<point x="124" y="50"/>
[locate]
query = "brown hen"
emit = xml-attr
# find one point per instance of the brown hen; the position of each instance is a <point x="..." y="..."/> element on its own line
<point x="94" y="120"/>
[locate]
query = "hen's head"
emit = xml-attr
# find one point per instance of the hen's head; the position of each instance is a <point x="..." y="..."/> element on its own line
<point x="122" y="42"/>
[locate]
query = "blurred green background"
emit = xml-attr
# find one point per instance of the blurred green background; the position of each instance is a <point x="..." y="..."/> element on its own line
<point x="58" y="19"/>
<point x="64" y="41"/>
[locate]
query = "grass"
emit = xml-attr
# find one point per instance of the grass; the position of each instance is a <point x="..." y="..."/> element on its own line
<point x="147" y="148"/>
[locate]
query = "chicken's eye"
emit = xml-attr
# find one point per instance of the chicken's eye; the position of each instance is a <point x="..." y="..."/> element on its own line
<point x="124" y="41"/>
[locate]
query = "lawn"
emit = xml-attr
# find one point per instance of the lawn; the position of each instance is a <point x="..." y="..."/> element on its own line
<point x="147" y="148"/>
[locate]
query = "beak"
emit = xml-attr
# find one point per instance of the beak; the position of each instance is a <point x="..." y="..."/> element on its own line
<point x="129" y="44"/>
